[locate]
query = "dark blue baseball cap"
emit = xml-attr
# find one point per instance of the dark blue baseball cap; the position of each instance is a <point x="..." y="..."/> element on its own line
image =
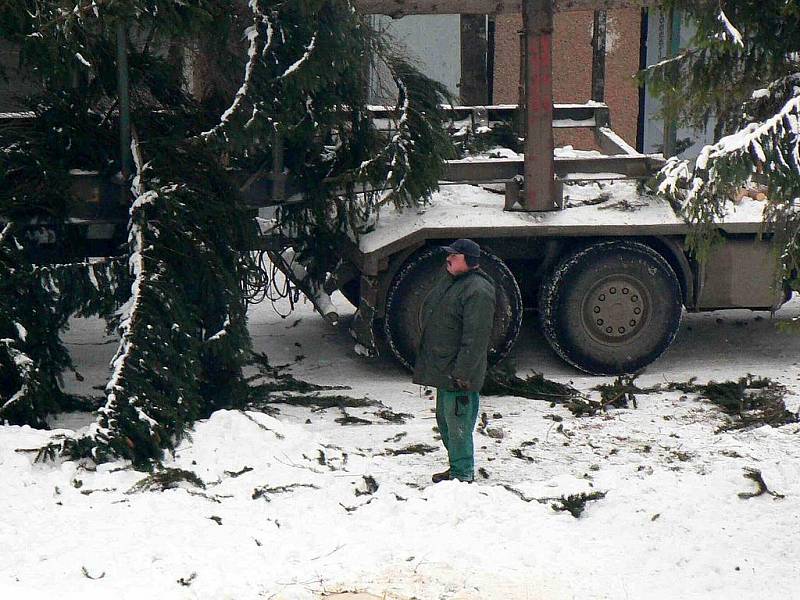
<point x="465" y="247"/>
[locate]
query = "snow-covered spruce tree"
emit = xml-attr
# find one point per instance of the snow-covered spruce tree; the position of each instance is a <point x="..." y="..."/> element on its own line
<point x="265" y="72"/>
<point x="36" y="301"/>
<point x="743" y="68"/>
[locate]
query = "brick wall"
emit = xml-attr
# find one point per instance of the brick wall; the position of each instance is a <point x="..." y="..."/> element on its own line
<point x="572" y="67"/>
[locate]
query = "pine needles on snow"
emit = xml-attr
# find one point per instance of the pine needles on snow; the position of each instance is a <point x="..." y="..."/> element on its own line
<point x="502" y="380"/>
<point x="167" y="479"/>
<point x="575" y="504"/>
<point x="750" y="402"/>
<point x="756" y="476"/>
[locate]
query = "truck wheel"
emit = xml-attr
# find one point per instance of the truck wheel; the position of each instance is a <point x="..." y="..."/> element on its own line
<point x="414" y="282"/>
<point x="611" y="308"/>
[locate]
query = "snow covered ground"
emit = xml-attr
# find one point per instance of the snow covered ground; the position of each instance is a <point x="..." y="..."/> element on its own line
<point x="287" y="510"/>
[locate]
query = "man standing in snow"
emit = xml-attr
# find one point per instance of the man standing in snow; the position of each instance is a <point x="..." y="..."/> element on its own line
<point x="457" y="318"/>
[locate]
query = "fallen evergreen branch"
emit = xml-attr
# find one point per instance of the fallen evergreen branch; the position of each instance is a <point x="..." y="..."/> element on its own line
<point x="319" y="402"/>
<point x="238" y="473"/>
<point x="751" y="401"/>
<point x="167" y="479"/>
<point x="393" y="417"/>
<point x="755" y="475"/>
<point x="277" y="379"/>
<point x="575" y="504"/>
<point x="86" y="574"/>
<point x="265" y="491"/>
<point x="412" y="449"/>
<point x="502" y="380"/>
<point x="523" y="497"/>
<point x="187" y="581"/>
<point x="347" y="419"/>
<point x="622" y="392"/>
<point x="518" y="453"/>
<point x="350" y="509"/>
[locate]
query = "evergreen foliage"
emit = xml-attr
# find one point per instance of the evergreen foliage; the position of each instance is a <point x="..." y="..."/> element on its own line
<point x="743" y="68"/>
<point x="35" y="305"/>
<point x="267" y="76"/>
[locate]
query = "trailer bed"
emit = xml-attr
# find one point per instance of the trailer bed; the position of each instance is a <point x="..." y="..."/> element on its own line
<point x="604" y="208"/>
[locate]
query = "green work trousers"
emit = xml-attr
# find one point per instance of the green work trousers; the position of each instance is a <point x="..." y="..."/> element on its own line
<point x="456" y="414"/>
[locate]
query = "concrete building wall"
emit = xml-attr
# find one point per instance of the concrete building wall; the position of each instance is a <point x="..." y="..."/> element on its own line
<point x="432" y="42"/>
<point x="572" y="67"/>
<point x="689" y="141"/>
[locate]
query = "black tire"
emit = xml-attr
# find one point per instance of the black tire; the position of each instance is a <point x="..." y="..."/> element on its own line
<point x="414" y="281"/>
<point x="611" y="308"/>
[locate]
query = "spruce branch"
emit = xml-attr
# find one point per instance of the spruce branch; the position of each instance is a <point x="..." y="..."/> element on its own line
<point x="25" y="371"/>
<point x="6" y="233"/>
<point x="704" y="190"/>
<point x="252" y="34"/>
<point x="756" y="476"/>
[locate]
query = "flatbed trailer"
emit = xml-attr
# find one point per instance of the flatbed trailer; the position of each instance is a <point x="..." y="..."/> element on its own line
<point x="570" y="234"/>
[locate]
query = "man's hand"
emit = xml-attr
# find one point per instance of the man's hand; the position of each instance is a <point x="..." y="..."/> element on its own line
<point x="459" y="384"/>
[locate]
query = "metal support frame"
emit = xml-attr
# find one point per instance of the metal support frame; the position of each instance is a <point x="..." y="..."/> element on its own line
<point x="599" y="55"/>
<point x="564" y="115"/>
<point x="400" y="8"/>
<point x="540" y="189"/>
<point x="504" y="170"/>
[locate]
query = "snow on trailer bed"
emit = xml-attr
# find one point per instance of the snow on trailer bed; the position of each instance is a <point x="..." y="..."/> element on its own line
<point x="611" y="207"/>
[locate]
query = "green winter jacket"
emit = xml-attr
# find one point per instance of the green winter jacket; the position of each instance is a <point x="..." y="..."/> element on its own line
<point x="457" y="318"/>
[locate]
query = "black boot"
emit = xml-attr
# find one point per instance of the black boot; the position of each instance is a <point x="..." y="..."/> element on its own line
<point x="443" y="476"/>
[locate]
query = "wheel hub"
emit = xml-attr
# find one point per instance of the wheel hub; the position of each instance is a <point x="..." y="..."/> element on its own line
<point x="616" y="309"/>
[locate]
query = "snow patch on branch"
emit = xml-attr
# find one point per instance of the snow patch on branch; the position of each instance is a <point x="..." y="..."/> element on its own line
<point x="82" y="60"/>
<point x="252" y="34"/>
<point x="131" y="308"/>
<point x="680" y="180"/>
<point x="222" y="332"/>
<point x="732" y="33"/>
<point x="25" y="366"/>
<point x="5" y="233"/>
<point x="401" y="142"/>
<point x="299" y="62"/>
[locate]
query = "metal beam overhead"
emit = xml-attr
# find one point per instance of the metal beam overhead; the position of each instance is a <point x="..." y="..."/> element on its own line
<point x="400" y="8"/>
<point x="499" y="170"/>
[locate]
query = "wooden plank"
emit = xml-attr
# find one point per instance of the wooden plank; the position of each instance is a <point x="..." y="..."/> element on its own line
<point x="399" y="8"/>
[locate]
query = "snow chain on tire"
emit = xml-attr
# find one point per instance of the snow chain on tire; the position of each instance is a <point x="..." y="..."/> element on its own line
<point x="412" y="283"/>
<point x="611" y="308"/>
